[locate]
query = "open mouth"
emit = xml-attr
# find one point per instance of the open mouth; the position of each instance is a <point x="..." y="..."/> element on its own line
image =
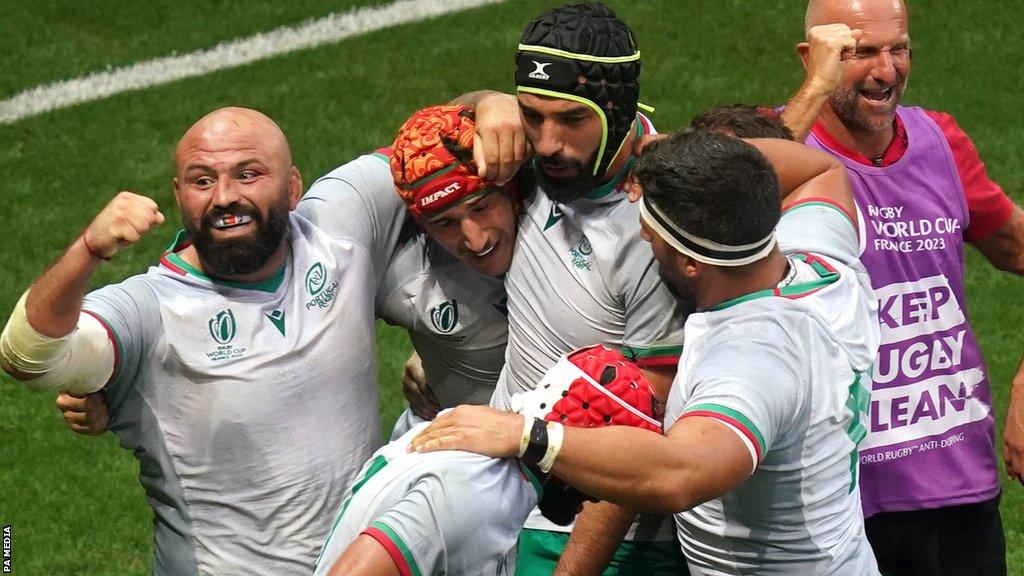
<point x="880" y="96"/>
<point x="229" y="221"/>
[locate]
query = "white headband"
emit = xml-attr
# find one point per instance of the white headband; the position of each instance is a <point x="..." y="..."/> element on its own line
<point x="701" y="249"/>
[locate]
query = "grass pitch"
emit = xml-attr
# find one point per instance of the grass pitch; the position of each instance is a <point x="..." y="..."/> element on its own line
<point x="74" y="503"/>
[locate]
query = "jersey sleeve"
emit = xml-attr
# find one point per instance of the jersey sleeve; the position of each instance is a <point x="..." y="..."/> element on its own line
<point x="357" y="202"/>
<point x="819" y="226"/>
<point x="654" y="317"/>
<point x="131" y="315"/>
<point x="988" y="206"/>
<point x="757" y="398"/>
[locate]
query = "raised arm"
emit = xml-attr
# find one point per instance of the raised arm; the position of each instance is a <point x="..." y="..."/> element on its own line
<point x="48" y="342"/>
<point x="804" y="172"/>
<point x="822" y="55"/>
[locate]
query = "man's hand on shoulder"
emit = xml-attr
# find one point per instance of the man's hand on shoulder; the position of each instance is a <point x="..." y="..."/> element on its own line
<point x="121" y="223"/>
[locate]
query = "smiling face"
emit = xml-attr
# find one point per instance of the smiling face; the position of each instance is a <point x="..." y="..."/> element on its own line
<point x="565" y="136"/>
<point x="875" y="77"/>
<point x="480" y="231"/>
<point x="235" y="185"/>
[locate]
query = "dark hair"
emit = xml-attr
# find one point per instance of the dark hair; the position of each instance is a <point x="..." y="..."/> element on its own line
<point x="712" y="186"/>
<point x="742" y="121"/>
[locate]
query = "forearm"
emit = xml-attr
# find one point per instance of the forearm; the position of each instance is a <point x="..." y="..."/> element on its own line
<point x="803" y="108"/>
<point x="597" y="533"/>
<point x="471" y="99"/>
<point x="634" y="468"/>
<point x="55" y="300"/>
<point x="804" y="172"/>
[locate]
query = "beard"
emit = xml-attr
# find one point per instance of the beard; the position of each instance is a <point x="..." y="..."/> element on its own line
<point x="845" y="104"/>
<point x="679" y="288"/>
<point x="223" y="258"/>
<point x="567" y="188"/>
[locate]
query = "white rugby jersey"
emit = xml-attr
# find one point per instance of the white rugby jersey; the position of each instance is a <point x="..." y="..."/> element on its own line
<point x="785" y="370"/>
<point x="582" y="275"/>
<point x="436" y="513"/>
<point x="248" y="416"/>
<point x="456" y="317"/>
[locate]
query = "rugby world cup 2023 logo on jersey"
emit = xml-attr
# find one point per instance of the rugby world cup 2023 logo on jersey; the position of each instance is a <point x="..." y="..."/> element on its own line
<point x="223" y="329"/>
<point x="321" y="291"/>
<point x="445" y="316"/>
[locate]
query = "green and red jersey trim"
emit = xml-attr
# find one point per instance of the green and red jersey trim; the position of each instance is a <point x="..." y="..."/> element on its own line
<point x="400" y="553"/>
<point x="820" y="201"/>
<point x="653" y="357"/>
<point x="734" y="418"/>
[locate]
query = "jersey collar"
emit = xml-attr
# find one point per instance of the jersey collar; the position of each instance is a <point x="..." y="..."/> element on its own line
<point x="172" y="261"/>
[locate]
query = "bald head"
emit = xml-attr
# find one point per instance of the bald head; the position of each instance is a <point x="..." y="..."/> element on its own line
<point x="854" y="13"/>
<point x="232" y="128"/>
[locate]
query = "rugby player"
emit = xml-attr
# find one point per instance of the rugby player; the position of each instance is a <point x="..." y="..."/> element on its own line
<point x="438" y="270"/>
<point x="581" y="274"/>
<point x="220" y="363"/>
<point x="458" y="513"/>
<point x="759" y="462"/>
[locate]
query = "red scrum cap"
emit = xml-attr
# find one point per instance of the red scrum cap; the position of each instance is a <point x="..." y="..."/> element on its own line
<point x="431" y="160"/>
<point x="590" y="388"/>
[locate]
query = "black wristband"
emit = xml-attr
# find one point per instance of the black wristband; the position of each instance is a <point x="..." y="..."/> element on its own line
<point x="538" y="445"/>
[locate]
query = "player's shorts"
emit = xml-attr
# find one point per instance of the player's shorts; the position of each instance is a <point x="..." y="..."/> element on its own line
<point x="438" y="513"/>
<point x="539" y="551"/>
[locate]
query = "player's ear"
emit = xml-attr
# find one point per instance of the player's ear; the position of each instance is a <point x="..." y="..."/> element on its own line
<point x="177" y="190"/>
<point x="803" y="49"/>
<point x="294" y="187"/>
<point x="690" y="266"/>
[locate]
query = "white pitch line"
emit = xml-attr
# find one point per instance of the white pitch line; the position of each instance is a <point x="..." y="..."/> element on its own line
<point x="332" y="28"/>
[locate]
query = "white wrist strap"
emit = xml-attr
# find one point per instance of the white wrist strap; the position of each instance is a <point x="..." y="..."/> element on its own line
<point x="524" y="441"/>
<point x="556" y="433"/>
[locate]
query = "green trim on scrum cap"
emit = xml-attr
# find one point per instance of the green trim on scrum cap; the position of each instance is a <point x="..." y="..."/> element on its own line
<point x="581" y="100"/>
<point x="585" y="57"/>
<point x="430" y="177"/>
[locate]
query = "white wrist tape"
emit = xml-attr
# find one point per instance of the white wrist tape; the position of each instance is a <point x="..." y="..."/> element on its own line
<point x="80" y="362"/>
<point x="556" y="434"/>
<point x="524" y="440"/>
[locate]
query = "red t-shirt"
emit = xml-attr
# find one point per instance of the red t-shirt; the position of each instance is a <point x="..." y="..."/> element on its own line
<point x="989" y="207"/>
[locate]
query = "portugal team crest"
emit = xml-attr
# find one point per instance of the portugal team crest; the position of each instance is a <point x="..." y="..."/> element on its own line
<point x="445" y="316"/>
<point x="222" y="326"/>
<point x="316" y="278"/>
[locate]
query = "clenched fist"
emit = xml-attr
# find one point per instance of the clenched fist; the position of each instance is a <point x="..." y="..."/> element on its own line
<point x="121" y="223"/>
<point x="827" y="47"/>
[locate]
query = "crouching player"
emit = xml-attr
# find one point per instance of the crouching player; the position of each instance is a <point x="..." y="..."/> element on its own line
<point x="454" y="512"/>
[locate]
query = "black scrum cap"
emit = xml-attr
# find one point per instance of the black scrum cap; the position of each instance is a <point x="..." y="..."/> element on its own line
<point x="584" y="53"/>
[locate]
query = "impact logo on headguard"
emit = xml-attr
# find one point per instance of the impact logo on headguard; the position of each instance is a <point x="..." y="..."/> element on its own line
<point x="317" y="287"/>
<point x="222" y="326"/>
<point x="445" y="316"/>
<point x="539" y="73"/>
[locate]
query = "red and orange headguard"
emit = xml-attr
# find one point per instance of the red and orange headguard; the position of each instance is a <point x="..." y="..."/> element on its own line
<point x="428" y="175"/>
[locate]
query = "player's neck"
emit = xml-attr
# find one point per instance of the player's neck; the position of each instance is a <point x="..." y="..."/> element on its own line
<point x="718" y="287"/>
<point x="625" y="152"/>
<point x="266" y="272"/>
<point x="867" y="143"/>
